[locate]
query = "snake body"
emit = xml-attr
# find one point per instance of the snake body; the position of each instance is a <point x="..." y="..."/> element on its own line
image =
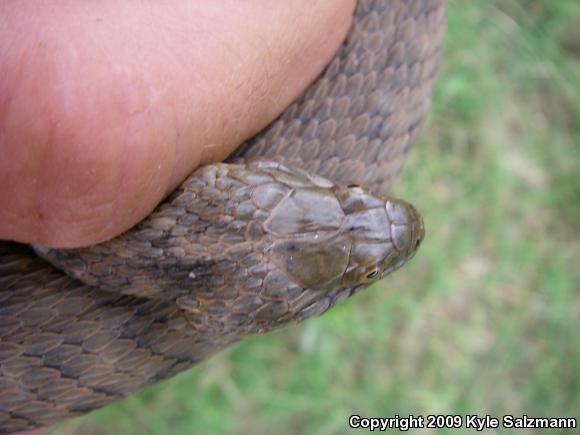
<point x="272" y="237"/>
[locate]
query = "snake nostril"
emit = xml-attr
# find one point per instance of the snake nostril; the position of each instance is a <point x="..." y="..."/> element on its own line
<point x="418" y="243"/>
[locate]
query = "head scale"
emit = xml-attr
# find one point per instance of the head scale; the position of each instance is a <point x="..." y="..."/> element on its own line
<point x="342" y="239"/>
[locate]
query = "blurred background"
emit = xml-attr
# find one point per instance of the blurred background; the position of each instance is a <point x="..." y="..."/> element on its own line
<point x="486" y="318"/>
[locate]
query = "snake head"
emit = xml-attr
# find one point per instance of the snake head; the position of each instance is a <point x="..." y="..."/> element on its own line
<point x="344" y="238"/>
<point x="384" y="234"/>
<point x="245" y="249"/>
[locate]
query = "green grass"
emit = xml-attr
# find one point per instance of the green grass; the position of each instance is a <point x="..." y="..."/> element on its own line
<point x="486" y="319"/>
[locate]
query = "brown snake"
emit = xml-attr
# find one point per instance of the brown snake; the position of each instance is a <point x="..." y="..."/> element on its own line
<point x="240" y="248"/>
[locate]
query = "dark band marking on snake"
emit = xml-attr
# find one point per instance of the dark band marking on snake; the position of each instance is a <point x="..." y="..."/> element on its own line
<point x="278" y="234"/>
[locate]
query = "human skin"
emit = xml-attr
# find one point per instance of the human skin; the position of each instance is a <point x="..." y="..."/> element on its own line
<point x="106" y="106"/>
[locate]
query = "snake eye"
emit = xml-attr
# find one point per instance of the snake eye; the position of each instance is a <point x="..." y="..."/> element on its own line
<point x="372" y="274"/>
<point x="357" y="187"/>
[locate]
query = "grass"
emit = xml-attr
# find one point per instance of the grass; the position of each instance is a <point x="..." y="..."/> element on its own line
<point x="486" y="318"/>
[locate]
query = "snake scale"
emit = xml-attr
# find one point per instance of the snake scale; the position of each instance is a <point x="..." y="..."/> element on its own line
<point x="274" y="236"/>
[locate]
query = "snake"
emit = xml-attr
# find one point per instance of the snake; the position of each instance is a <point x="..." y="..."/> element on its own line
<point x="296" y="220"/>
